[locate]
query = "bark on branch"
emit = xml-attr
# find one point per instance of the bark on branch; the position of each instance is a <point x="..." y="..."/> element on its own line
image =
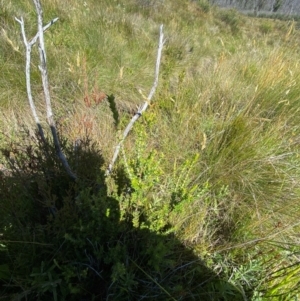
<point x="143" y="107"/>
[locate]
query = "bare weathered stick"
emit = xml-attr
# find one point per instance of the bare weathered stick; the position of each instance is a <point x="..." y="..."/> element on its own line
<point x="28" y="46"/>
<point x="142" y="108"/>
<point x="44" y="73"/>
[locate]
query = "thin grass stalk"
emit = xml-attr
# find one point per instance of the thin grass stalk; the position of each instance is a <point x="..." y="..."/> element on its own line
<point x="152" y="279"/>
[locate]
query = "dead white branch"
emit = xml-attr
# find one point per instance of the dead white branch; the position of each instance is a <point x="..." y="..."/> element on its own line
<point x="28" y="46"/>
<point x="44" y="74"/>
<point x="142" y="108"/>
<point x="43" y="69"/>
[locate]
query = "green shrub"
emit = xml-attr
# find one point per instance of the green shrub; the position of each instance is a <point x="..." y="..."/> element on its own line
<point x="204" y="5"/>
<point x="266" y="27"/>
<point x="230" y="18"/>
<point x="66" y="240"/>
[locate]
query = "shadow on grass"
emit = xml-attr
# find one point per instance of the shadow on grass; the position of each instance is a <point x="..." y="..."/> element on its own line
<point x="65" y="240"/>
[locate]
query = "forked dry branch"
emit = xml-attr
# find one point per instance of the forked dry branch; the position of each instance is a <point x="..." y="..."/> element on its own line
<point x="44" y="74"/>
<point x="28" y="46"/>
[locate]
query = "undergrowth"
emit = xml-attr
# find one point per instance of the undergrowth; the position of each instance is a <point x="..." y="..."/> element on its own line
<point x="66" y="240"/>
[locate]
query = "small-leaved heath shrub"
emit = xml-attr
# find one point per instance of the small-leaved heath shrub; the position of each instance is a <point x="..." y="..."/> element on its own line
<point x="67" y="240"/>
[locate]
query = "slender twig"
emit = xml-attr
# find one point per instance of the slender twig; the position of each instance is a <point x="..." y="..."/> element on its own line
<point x="44" y="74"/>
<point x="142" y="108"/>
